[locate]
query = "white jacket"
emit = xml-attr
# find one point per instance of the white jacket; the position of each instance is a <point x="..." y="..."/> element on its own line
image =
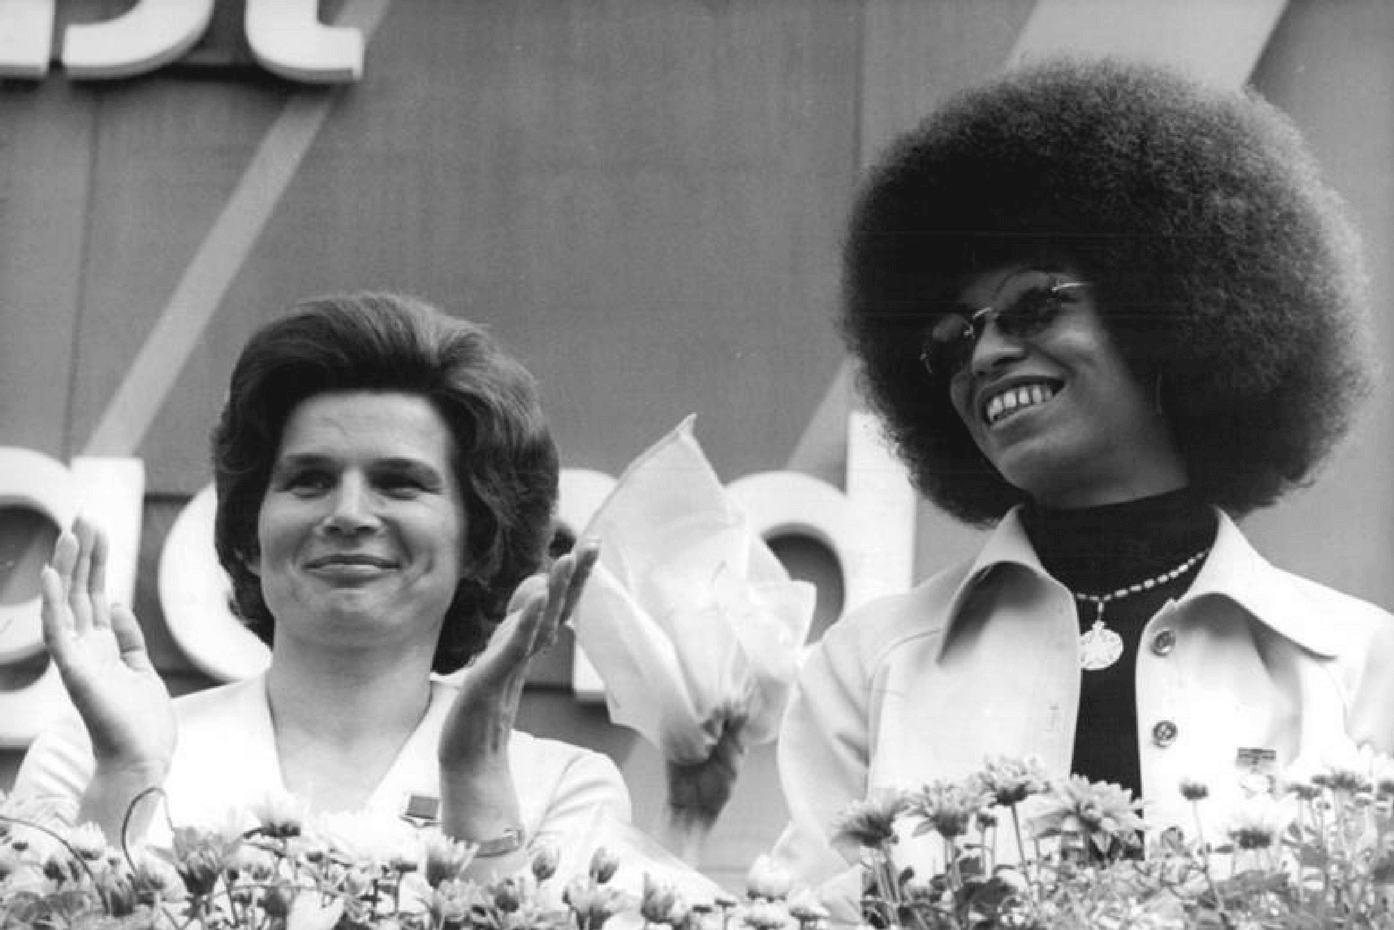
<point x="982" y="660"/>
<point x="226" y="765"/>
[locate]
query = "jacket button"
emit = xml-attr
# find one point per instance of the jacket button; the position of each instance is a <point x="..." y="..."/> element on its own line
<point x="1164" y="733"/>
<point x="1164" y="642"/>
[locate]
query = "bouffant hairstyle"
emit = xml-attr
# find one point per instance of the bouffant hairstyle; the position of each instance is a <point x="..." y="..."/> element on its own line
<point x="504" y="459"/>
<point x="1221" y="264"/>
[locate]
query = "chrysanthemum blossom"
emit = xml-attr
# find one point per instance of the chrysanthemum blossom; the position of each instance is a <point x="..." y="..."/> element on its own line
<point x="1101" y="812"/>
<point x="661" y="903"/>
<point x="805" y="907"/>
<point x="201" y="857"/>
<point x="1193" y="790"/>
<point x="871" y="822"/>
<point x="948" y="807"/>
<point x="444" y="857"/>
<point x="591" y="902"/>
<point x="1257" y="822"/>
<point x="1343" y="768"/>
<point x="766" y="915"/>
<point x="88" y="841"/>
<point x="368" y="838"/>
<point x="1012" y="780"/>
<point x="153" y="877"/>
<point x="769" y="880"/>
<point x="280" y="814"/>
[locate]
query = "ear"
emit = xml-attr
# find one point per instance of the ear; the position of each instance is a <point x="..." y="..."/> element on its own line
<point x="250" y="562"/>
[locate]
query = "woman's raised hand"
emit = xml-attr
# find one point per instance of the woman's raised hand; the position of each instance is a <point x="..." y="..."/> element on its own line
<point x="100" y="654"/>
<point x="479" y="800"/>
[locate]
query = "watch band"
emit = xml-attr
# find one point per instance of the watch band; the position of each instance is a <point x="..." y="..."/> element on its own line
<point x="508" y="841"/>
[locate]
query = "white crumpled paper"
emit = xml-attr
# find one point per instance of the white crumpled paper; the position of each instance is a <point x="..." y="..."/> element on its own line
<point x="689" y="618"/>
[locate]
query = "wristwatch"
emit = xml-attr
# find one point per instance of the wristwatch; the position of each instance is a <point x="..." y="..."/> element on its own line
<point x="508" y="841"/>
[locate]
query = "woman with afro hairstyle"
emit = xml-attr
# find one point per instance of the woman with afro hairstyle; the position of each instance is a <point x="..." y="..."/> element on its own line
<point x="1107" y="311"/>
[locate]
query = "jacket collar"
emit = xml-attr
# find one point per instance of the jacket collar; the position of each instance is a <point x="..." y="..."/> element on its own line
<point x="1234" y="570"/>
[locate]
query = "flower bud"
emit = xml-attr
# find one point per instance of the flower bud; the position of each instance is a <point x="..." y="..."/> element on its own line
<point x="1194" y="790"/>
<point x="544" y="864"/>
<point x="604" y="864"/>
<point x="508" y="897"/>
<point x="445" y="857"/>
<point x="660" y="903"/>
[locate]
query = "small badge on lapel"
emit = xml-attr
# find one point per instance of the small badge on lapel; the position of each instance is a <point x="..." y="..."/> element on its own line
<point x="1257" y="768"/>
<point x="421" y="809"/>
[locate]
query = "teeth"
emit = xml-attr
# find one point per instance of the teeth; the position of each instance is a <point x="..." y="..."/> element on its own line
<point x="1017" y="398"/>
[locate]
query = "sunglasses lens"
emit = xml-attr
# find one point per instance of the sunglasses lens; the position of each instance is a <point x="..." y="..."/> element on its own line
<point x="948" y="344"/>
<point x="1030" y="313"/>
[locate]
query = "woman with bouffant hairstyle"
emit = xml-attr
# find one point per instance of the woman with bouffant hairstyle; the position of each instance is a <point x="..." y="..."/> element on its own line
<point x="1104" y="310"/>
<point x="386" y="483"/>
<point x="504" y="456"/>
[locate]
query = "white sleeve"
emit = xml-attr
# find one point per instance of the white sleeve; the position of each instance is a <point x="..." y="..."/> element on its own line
<point x="824" y="752"/>
<point x="57" y="768"/>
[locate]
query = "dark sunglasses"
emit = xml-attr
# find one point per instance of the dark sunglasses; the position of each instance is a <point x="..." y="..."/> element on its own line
<point x="948" y="344"/>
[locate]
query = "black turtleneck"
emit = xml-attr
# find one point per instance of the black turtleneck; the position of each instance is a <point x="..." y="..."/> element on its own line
<point x="1096" y="550"/>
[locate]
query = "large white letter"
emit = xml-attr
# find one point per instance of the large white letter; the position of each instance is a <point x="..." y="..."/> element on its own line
<point x="32" y="481"/>
<point x="194" y="593"/>
<point x="110" y="492"/>
<point x="870" y="528"/>
<point x="151" y="34"/>
<point x="26" y="35"/>
<point x="288" y="39"/>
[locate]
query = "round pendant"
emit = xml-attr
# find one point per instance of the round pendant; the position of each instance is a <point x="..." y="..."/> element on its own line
<point x="1099" y="647"/>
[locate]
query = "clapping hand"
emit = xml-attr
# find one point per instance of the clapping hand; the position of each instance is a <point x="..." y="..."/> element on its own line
<point x="493" y="684"/>
<point x="477" y="786"/>
<point x="100" y="654"/>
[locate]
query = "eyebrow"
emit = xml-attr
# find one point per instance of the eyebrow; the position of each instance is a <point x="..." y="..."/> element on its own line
<point x="303" y="459"/>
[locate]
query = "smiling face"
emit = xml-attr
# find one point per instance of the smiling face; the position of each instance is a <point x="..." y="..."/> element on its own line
<point x="362" y="529"/>
<point x="1057" y="411"/>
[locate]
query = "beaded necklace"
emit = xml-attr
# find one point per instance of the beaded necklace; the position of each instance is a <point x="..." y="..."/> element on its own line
<point x="1099" y="646"/>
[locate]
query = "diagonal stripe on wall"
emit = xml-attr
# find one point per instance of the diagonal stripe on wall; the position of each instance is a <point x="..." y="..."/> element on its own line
<point x="219" y="258"/>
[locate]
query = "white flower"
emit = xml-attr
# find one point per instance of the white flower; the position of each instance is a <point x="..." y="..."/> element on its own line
<point x="368" y="838"/>
<point x="280" y="814"/>
<point x="1011" y="780"/>
<point x="871" y="822"/>
<point x="88" y="841"/>
<point x="766" y="915"/>
<point x="766" y="879"/>
<point x="444" y="857"/>
<point x="661" y="903"/>
<point x="1257" y="822"/>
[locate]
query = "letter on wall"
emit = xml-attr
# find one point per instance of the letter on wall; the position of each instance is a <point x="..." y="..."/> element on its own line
<point x="149" y="35"/>
<point x="288" y="39"/>
<point x="194" y="593"/>
<point x="26" y="35"/>
<point x="110" y="492"/>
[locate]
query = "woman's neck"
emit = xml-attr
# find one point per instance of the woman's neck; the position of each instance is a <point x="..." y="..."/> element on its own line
<point x="1097" y="548"/>
<point x="344" y="694"/>
<point x="340" y="724"/>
